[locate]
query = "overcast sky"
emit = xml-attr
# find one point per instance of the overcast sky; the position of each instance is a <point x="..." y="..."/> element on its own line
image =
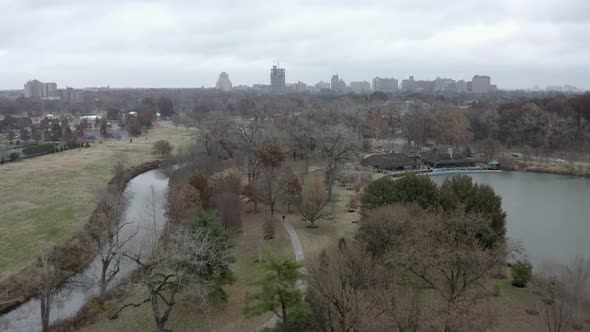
<point x="187" y="43"/>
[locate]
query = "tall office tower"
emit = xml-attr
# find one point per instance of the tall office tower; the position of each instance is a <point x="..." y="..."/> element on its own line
<point x="277" y="80"/>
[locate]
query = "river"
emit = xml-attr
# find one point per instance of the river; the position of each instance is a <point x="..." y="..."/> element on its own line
<point x="549" y="214"/>
<point x="141" y="192"/>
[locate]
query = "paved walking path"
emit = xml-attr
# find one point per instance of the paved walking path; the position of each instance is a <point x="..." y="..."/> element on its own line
<point x="299" y="257"/>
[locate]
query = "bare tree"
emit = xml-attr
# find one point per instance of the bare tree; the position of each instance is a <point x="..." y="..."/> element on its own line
<point x="440" y="254"/>
<point x="446" y="254"/>
<point x="273" y="180"/>
<point x="340" y="290"/>
<point x="250" y="138"/>
<point x="215" y="136"/>
<point x="46" y="289"/>
<point x="107" y="239"/>
<point x="455" y="127"/>
<point x="119" y="167"/>
<point x="312" y="205"/>
<point x="338" y="146"/>
<point x="563" y="295"/>
<point x="182" y="262"/>
<point x="304" y="134"/>
<point x="549" y="127"/>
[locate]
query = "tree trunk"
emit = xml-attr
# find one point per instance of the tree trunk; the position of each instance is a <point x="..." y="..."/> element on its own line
<point x="45" y="310"/>
<point x="103" y="278"/>
<point x="331" y="175"/>
<point x="160" y="326"/>
<point x="156" y="313"/>
<point x="285" y="322"/>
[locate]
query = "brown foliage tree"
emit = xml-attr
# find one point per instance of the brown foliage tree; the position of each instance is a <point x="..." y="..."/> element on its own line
<point x="268" y="228"/>
<point x="271" y="156"/>
<point x="252" y="195"/>
<point x="191" y="197"/>
<point x="293" y="193"/>
<point x="228" y="206"/>
<point x="200" y="182"/>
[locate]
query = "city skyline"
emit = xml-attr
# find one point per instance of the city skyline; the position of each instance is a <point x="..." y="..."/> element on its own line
<point x="278" y="85"/>
<point x="139" y="44"/>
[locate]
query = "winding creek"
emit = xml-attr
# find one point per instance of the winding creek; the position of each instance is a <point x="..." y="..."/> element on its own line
<point x="549" y="214"/>
<point x="144" y="191"/>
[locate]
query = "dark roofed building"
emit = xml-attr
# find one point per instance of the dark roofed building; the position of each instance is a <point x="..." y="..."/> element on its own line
<point x="390" y="161"/>
<point x="436" y="158"/>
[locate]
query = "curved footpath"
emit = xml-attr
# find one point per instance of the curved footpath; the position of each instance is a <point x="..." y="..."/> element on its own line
<point x="299" y="257"/>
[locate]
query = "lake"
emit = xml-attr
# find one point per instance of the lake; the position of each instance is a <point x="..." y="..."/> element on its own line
<point x="549" y="214"/>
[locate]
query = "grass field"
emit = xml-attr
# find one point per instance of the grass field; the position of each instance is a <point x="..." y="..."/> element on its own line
<point x="219" y="317"/>
<point x="339" y="224"/>
<point x="44" y="200"/>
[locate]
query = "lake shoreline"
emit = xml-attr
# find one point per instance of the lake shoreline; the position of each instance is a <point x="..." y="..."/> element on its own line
<point x="549" y="169"/>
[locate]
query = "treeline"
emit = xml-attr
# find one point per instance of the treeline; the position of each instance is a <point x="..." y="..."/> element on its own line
<point x="545" y="124"/>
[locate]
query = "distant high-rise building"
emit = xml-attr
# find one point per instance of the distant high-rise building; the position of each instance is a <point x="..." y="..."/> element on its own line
<point x="481" y="84"/>
<point x="321" y="85"/>
<point x="338" y="84"/>
<point x="223" y="83"/>
<point x="461" y="86"/>
<point x="444" y="85"/>
<point x="37" y="89"/>
<point x="67" y="95"/>
<point x="33" y="89"/>
<point x="384" y="84"/>
<point x="277" y="80"/>
<point x="424" y="86"/>
<point x="409" y="84"/>
<point x="360" y="86"/>
<point x="50" y="90"/>
<point x="297" y="87"/>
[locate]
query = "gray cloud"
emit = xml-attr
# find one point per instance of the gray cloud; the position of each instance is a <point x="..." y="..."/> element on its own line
<point x="185" y="43"/>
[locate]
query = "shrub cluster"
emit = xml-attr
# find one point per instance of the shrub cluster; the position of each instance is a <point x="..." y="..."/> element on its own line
<point x="39" y="149"/>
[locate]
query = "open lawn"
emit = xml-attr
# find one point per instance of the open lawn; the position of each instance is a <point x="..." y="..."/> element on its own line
<point x="46" y="199"/>
<point x="340" y="223"/>
<point x="222" y="316"/>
